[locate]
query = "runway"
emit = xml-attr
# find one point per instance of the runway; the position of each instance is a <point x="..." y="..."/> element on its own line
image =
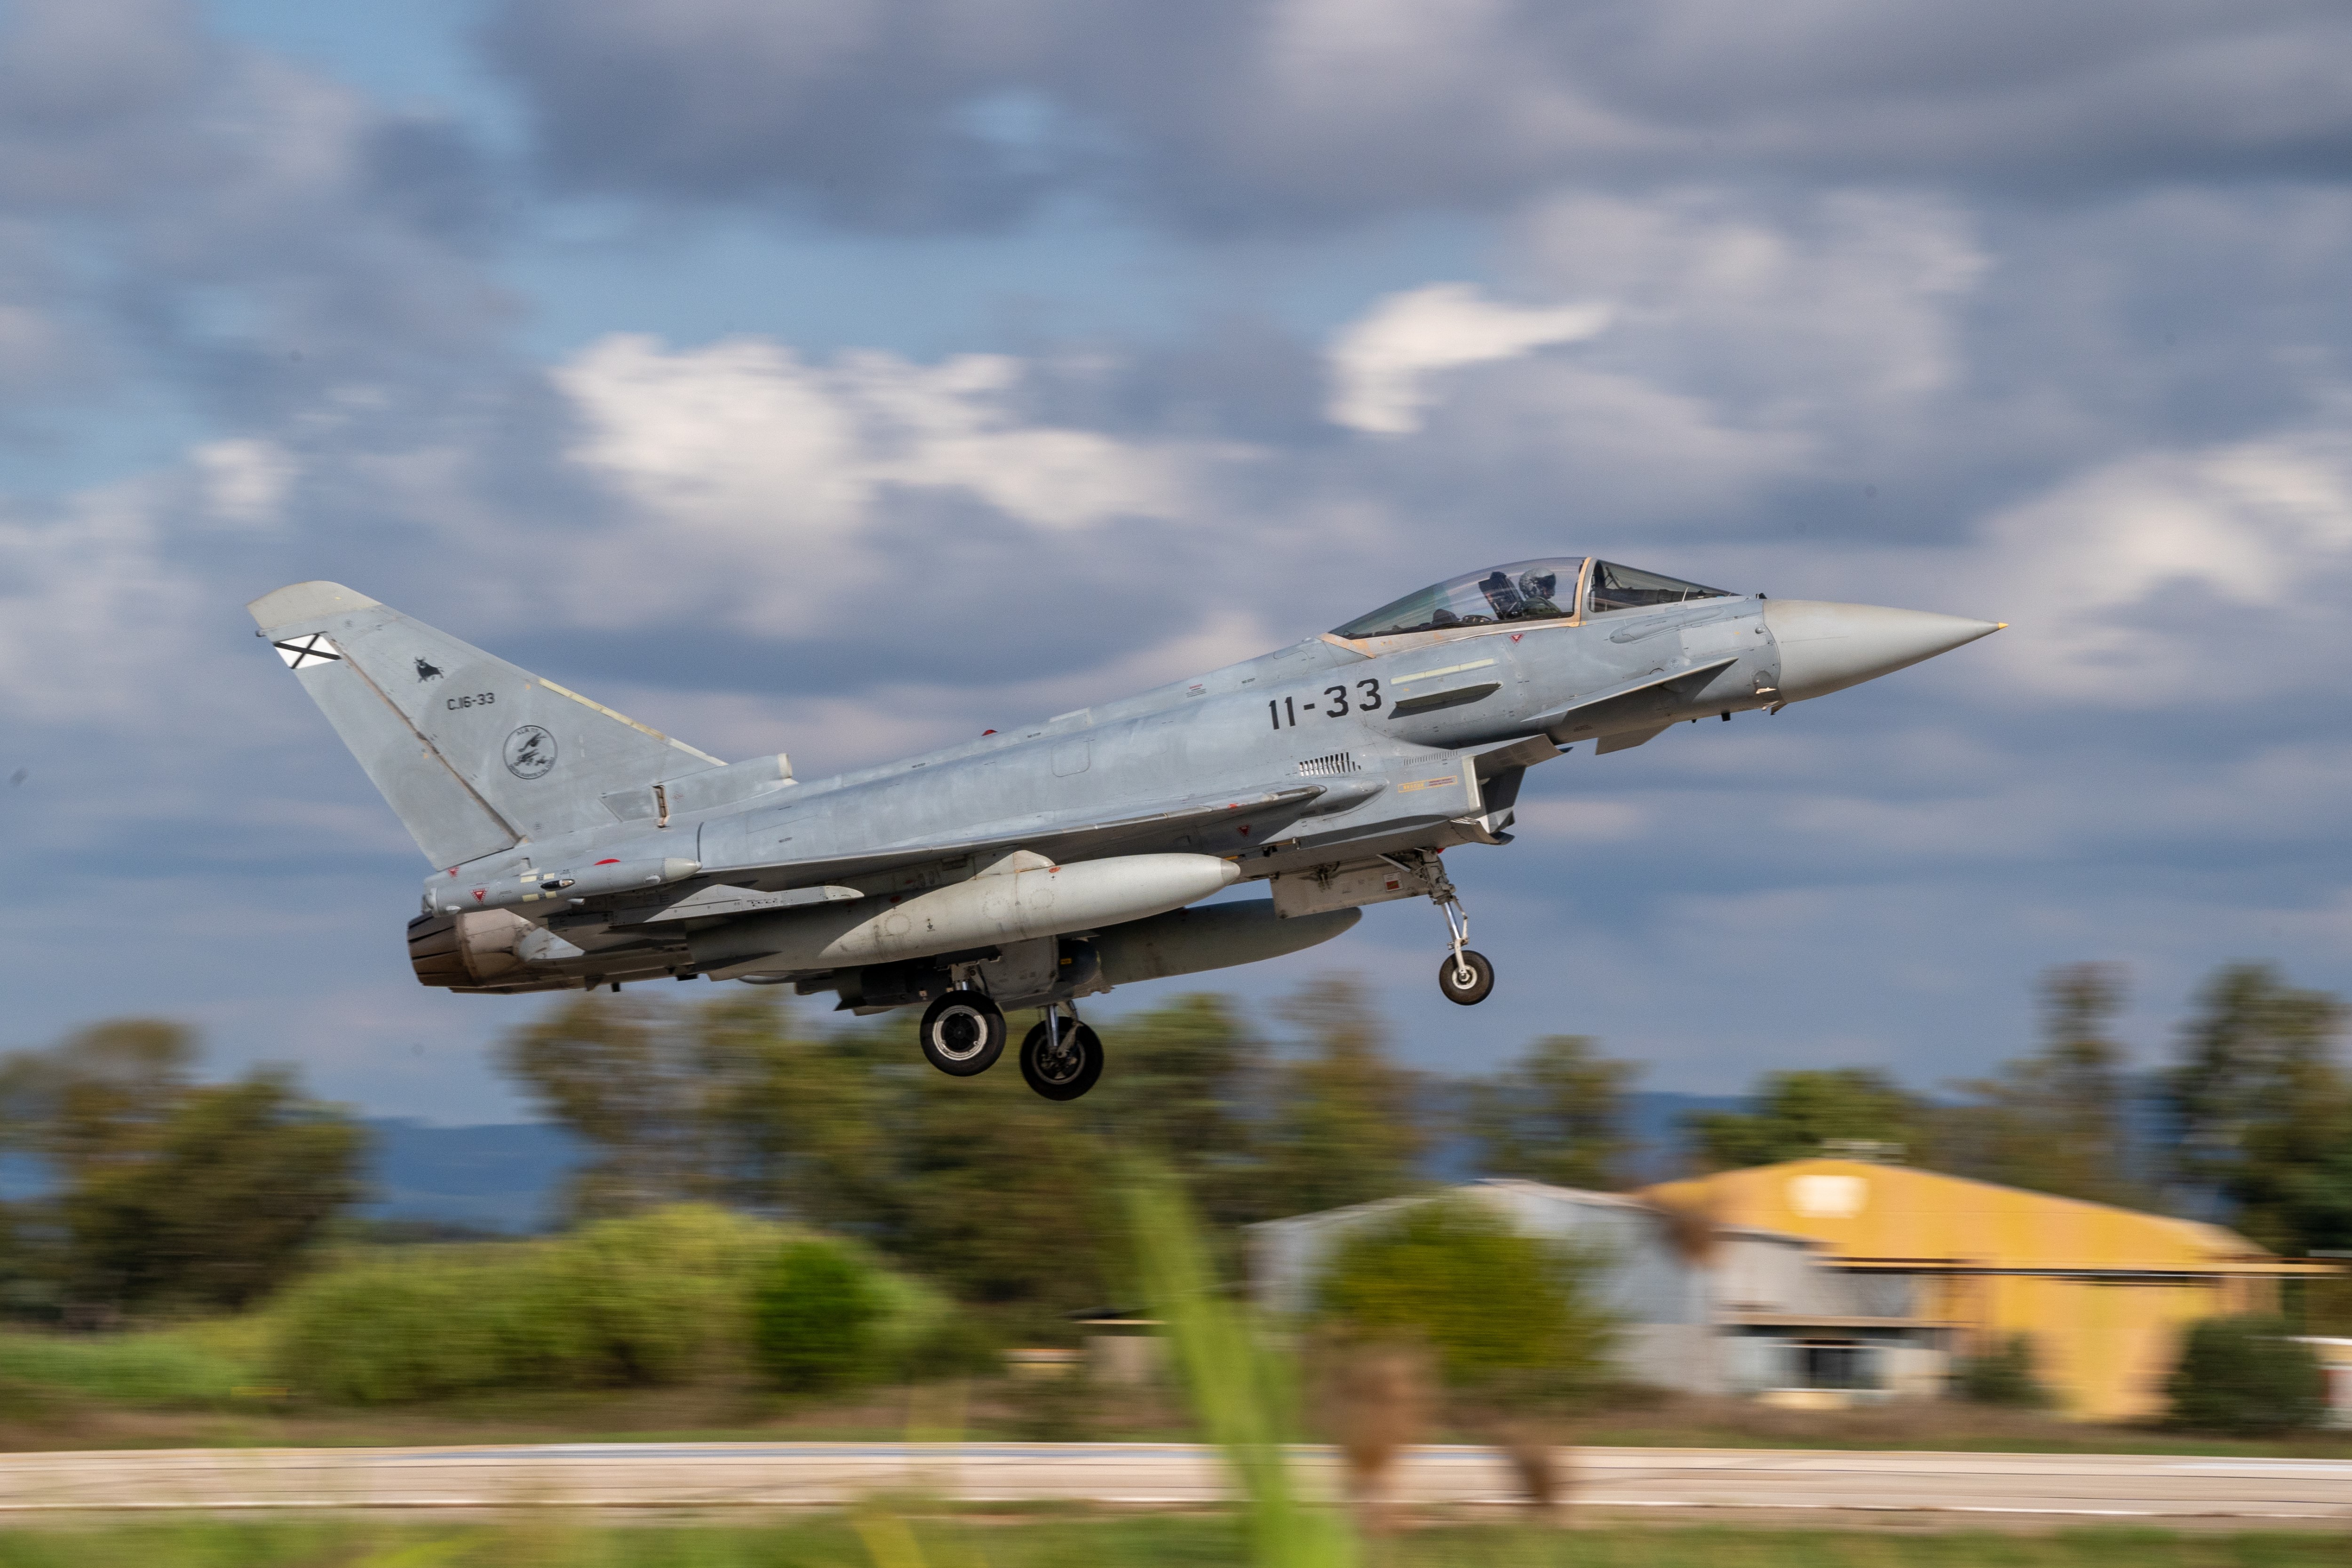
<point x="1659" y="1483"/>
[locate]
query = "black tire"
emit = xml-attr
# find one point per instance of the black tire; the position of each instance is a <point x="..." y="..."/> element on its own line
<point x="1482" y="983"/>
<point x="1066" y="1074"/>
<point x="963" y="1033"/>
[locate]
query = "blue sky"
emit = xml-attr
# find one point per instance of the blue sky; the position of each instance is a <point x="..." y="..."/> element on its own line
<point x="782" y="357"/>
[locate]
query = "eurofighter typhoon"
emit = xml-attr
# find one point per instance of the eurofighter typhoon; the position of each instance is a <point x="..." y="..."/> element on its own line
<point x="577" y="847"/>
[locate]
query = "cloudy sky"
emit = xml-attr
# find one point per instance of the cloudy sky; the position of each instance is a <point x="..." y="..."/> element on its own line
<point x="848" y="376"/>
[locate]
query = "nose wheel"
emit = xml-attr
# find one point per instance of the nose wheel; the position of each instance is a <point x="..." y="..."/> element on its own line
<point x="963" y="1034"/>
<point x="1465" y="977"/>
<point x="1061" y="1058"/>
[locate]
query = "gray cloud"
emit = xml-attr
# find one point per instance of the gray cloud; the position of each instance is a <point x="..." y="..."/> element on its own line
<point x="1284" y="113"/>
<point x="188" y="215"/>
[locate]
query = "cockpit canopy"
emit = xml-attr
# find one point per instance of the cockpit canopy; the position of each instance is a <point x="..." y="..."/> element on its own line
<point x="1523" y="591"/>
<point x="1616" y="587"/>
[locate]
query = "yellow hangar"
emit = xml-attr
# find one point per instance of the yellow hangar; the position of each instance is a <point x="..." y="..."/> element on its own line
<point x="2103" y="1292"/>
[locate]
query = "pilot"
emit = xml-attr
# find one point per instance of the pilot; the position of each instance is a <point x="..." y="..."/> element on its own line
<point x="1535" y="590"/>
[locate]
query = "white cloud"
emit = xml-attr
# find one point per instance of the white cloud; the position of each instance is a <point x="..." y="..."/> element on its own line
<point x="785" y="469"/>
<point x="93" y="620"/>
<point x="744" y="435"/>
<point x="244" y="480"/>
<point x="1381" y="365"/>
<point x="1826" y="308"/>
<point x="2129" y="582"/>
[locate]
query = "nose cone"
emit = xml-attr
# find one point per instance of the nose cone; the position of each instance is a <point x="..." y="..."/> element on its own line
<point x="1827" y="647"/>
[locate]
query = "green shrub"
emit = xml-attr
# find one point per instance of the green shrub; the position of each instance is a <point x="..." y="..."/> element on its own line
<point x="2003" y="1375"/>
<point x="429" y="1322"/>
<point x="667" y="1296"/>
<point x="664" y="1297"/>
<point x="657" y="1297"/>
<point x="813" y="1317"/>
<point x="2245" y="1374"/>
<point x="921" y="1334"/>
<point x="170" y="1367"/>
<point x="1504" y="1314"/>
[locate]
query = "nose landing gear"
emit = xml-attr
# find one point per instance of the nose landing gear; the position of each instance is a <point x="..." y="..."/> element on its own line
<point x="1465" y="977"/>
<point x="1061" y="1058"/>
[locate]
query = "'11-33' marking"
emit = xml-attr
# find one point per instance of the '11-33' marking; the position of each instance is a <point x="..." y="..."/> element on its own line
<point x="1284" y="711"/>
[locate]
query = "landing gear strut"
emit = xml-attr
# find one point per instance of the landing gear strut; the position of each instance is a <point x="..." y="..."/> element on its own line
<point x="1061" y="1058"/>
<point x="963" y="1033"/>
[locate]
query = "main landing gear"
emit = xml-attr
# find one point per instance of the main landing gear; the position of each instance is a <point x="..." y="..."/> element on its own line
<point x="963" y="1033"/>
<point x="1061" y="1058"/>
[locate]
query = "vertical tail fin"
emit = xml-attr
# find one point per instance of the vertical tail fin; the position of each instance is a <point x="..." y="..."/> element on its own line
<point x="474" y="755"/>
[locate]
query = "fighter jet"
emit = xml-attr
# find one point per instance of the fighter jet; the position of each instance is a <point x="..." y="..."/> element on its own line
<point x="576" y="848"/>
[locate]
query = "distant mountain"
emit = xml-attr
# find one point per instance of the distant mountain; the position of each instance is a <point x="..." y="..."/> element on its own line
<point x="504" y="1176"/>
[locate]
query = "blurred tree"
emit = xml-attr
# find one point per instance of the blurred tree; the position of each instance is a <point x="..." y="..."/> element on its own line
<point x="733" y="1099"/>
<point x="629" y="1078"/>
<point x="1556" y="1115"/>
<point x="94" y="1097"/>
<point x="793" y="1119"/>
<point x="2058" y="1121"/>
<point x="166" y="1192"/>
<point x="1341" y="1127"/>
<point x="1797" y="1112"/>
<point x="1180" y="1090"/>
<point x="996" y="1194"/>
<point x="975" y="1181"/>
<point x="214" y="1204"/>
<point x="2263" y="1112"/>
<point x="1510" y="1317"/>
<point x="1003" y="1198"/>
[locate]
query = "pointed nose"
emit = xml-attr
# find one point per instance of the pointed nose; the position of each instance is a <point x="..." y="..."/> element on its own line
<point x="1827" y="647"/>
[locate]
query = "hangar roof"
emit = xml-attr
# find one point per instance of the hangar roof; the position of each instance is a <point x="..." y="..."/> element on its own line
<point x="1874" y="1216"/>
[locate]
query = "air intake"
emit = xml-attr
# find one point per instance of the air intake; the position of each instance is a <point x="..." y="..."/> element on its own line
<point x="1336" y="762"/>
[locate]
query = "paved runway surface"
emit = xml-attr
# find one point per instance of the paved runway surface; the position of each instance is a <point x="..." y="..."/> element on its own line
<point x="1661" y="1482"/>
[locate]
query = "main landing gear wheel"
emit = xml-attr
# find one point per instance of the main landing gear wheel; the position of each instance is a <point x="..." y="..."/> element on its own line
<point x="1468" y="979"/>
<point x="1061" y="1058"/>
<point x="963" y="1033"/>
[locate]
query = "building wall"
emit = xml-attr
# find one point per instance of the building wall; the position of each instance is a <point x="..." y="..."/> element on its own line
<point x="2105" y="1348"/>
<point x="1667" y="1304"/>
<point x="2105" y="1345"/>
